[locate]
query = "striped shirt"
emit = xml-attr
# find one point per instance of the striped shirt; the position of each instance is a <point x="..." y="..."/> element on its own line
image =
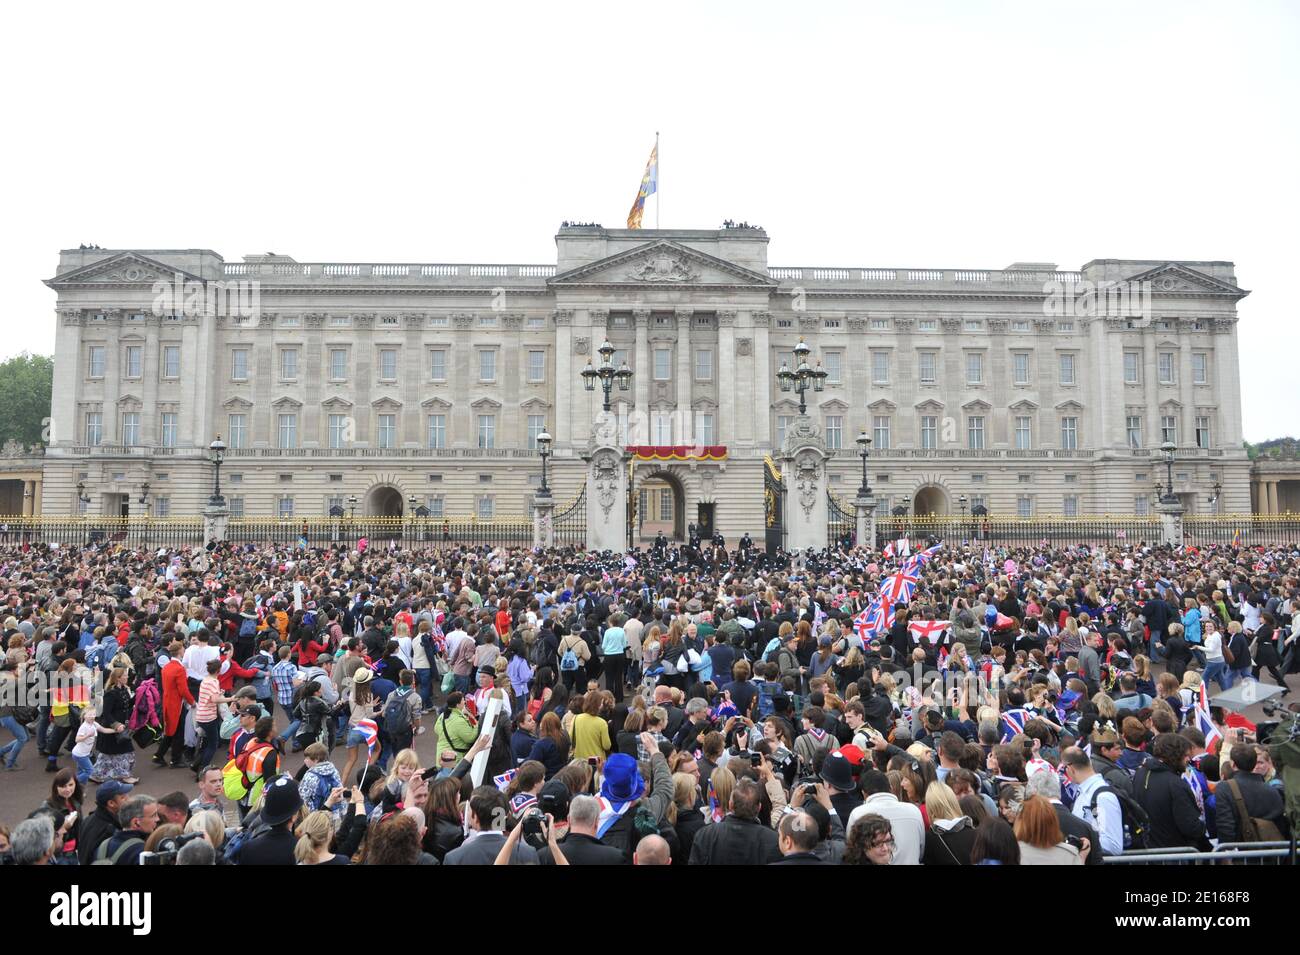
<point x="282" y="676"/>
<point x="209" y="693"/>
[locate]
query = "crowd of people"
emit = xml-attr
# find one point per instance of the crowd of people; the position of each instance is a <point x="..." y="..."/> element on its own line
<point x="936" y="704"/>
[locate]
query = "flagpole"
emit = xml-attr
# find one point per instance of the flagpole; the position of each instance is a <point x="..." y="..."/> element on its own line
<point x="658" y="178"/>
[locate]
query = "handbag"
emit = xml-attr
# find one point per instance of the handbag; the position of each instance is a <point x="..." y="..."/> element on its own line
<point x="448" y="682"/>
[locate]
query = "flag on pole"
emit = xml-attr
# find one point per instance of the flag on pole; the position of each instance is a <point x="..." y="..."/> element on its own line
<point x="649" y="185"/>
<point x="898" y="587"/>
<point x="369" y="729"/>
<point x="1236" y="538"/>
<point x="1204" y="722"/>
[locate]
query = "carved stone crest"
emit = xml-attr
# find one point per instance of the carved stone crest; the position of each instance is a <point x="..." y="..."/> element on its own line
<point x="726" y="318"/>
<point x="807" y="480"/>
<point x="744" y="346"/>
<point x="582" y="346"/>
<point x="664" y="267"/>
<point x="462" y="319"/>
<point x="604" y="467"/>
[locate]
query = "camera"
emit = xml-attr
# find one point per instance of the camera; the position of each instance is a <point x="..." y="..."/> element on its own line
<point x="168" y="849"/>
<point x="534" y="823"/>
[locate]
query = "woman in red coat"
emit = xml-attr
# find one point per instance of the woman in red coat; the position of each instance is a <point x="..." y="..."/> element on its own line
<point x="175" y="691"/>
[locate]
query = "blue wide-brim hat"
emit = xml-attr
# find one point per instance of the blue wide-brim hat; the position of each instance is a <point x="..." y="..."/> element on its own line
<point x="622" y="782"/>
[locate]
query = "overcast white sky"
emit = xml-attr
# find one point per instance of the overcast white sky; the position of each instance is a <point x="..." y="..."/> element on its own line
<point x="913" y="134"/>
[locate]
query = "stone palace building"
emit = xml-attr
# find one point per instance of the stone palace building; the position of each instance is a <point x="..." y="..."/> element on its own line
<point x="387" y="383"/>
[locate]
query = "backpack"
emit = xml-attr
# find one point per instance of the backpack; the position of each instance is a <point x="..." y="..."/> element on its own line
<point x="103" y="858"/>
<point x="537" y="654"/>
<point x="234" y="775"/>
<point x="766" y="697"/>
<point x="1137" y="824"/>
<point x="397" y="715"/>
<point x="248" y="627"/>
<point x="235" y="844"/>
<point x="95" y="658"/>
<point x="569" y="661"/>
<point x="1251" y="828"/>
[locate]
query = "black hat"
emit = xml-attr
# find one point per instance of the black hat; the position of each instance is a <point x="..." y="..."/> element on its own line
<point x="837" y="771"/>
<point x="280" y="801"/>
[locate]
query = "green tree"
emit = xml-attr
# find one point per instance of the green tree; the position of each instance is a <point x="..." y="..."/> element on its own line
<point x="26" y="384"/>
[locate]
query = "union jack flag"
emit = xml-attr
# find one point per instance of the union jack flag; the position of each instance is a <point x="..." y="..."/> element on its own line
<point x="1013" y="723"/>
<point x="370" y="730"/>
<point x="898" y="588"/>
<point x="1204" y="722"/>
<point x="914" y="563"/>
<point x="502" y="781"/>
<point x="878" y="617"/>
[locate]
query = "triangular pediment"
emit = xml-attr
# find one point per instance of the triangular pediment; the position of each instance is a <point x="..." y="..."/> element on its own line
<point x="977" y="404"/>
<point x="929" y="404"/>
<point x="485" y="404"/>
<point x="1175" y="279"/>
<point x="882" y="406"/>
<point x="1024" y="404"/>
<point x="337" y="401"/>
<point x="436" y="404"/>
<point x="286" y="401"/>
<point x="125" y="268"/>
<point x="663" y="264"/>
<point x="1069" y="406"/>
<point x="833" y="404"/>
<point x="534" y="405"/>
<point x="386" y="402"/>
<point x="236" y="402"/>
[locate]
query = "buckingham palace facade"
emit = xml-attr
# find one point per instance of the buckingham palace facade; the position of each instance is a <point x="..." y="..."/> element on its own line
<point x="430" y="382"/>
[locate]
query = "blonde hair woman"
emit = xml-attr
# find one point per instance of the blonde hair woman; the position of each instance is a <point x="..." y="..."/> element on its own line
<point x="210" y="823"/>
<point x="314" y="836"/>
<point x="721" y="785"/>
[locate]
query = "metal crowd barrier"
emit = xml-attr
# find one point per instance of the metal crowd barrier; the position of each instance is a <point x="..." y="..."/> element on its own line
<point x="1249" y="853"/>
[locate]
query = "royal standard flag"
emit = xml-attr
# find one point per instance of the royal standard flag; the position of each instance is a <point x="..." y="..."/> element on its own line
<point x="649" y="183"/>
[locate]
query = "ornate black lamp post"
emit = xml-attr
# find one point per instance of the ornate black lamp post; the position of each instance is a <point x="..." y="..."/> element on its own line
<point x="544" y="450"/>
<point x="607" y="374"/>
<point x="801" y="376"/>
<point x="218" y="449"/>
<point x="864" y="451"/>
<point x="1168" y="448"/>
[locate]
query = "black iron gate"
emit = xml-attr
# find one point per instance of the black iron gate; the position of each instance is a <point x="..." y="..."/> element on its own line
<point x="571" y="523"/>
<point x="773" y="507"/>
<point x="841" y="522"/>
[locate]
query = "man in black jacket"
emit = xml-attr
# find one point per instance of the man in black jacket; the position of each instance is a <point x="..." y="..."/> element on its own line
<point x="1160" y="789"/>
<point x="580" y="844"/>
<point x="739" y="839"/>
<point x="102" y="824"/>
<point x="1262" y="801"/>
<point x="1106" y="750"/>
<point x="273" y="840"/>
<point x="798" y="837"/>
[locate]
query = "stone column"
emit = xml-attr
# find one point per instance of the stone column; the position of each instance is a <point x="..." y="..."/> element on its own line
<point x="543" y="521"/>
<point x="724" y="429"/>
<point x="1272" y="498"/>
<point x="37" y="490"/>
<point x="866" y="514"/>
<point x="566" y="377"/>
<point x="762" y="421"/>
<point x="685" y="373"/>
<point x="606" y="498"/>
<point x="28" y="492"/>
<point x="1171" y="522"/>
<point x="641" y="359"/>
<point x="803" y="465"/>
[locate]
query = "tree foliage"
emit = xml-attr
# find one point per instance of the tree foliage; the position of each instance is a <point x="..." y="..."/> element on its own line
<point x="26" y="384"/>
